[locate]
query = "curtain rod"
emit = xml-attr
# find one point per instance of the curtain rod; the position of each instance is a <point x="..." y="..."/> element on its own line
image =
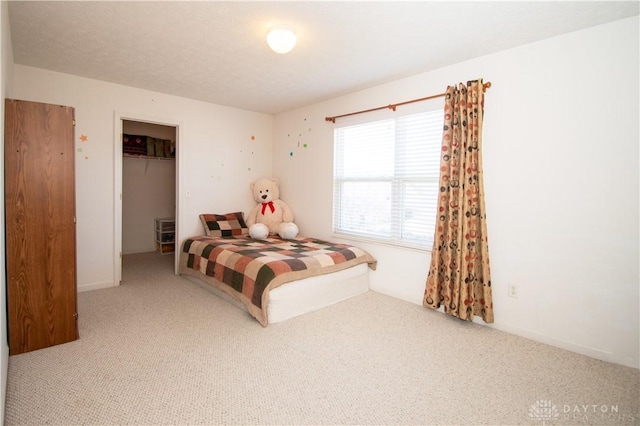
<point x="393" y="107"/>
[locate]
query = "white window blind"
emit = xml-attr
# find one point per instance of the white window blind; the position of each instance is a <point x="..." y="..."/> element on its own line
<point x="386" y="178"/>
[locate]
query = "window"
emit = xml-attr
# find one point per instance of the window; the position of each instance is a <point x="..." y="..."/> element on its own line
<point x="386" y="178"/>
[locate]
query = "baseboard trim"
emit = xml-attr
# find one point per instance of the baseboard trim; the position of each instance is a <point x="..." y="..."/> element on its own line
<point x="563" y="344"/>
<point x="96" y="286"/>
<point x="537" y="337"/>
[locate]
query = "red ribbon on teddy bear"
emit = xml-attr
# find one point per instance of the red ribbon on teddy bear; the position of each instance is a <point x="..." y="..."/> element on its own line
<point x="270" y="204"/>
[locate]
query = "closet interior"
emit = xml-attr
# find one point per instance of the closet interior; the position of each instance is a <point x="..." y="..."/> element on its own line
<point x="148" y="188"/>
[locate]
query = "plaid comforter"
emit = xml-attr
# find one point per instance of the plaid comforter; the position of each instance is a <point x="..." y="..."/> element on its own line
<point x="247" y="269"/>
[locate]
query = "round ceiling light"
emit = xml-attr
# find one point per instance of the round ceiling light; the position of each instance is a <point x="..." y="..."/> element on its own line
<point x="281" y="39"/>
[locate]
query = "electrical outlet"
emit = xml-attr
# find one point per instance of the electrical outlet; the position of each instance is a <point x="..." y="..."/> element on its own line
<point x="513" y="291"/>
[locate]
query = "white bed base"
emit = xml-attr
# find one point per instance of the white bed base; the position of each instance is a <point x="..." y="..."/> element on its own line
<point x="307" y="295"/>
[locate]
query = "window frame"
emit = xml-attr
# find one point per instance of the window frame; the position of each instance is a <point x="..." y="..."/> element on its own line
<point x="396" y="181"/>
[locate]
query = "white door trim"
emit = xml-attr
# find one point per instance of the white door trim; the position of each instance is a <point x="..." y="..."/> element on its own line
<point x="117" y="192"/>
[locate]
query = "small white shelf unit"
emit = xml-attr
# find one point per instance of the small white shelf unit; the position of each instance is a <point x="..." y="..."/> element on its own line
<point x="165" y="235"/>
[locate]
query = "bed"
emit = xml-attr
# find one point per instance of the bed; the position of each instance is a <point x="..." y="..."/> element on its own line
<point x="274" y="279"/>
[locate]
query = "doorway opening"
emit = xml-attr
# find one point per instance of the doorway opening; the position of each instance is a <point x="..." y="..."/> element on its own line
<point x="147" y="187"/>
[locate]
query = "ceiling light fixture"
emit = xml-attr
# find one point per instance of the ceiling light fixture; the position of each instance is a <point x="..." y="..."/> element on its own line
<point x="281" y="39"/>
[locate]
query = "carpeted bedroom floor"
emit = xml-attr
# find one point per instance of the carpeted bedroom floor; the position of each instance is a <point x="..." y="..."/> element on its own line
<point x="160" y="349"/>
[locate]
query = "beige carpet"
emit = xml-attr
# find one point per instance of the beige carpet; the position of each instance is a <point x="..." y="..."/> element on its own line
<point x="162" y="350"/>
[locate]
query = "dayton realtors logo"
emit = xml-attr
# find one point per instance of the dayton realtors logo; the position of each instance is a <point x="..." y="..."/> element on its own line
<point x="546" y="411"/>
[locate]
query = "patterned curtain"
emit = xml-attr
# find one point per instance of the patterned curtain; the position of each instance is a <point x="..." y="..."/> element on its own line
<point x="459" y="276"/>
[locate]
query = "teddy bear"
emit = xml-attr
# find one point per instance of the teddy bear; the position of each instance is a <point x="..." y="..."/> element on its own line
<point x="271" y="215"/>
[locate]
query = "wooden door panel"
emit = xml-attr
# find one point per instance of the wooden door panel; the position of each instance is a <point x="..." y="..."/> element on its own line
<point x="40" y="225"/>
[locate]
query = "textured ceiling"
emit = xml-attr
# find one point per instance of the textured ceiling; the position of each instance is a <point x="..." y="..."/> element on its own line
<point x="216" y="51"/>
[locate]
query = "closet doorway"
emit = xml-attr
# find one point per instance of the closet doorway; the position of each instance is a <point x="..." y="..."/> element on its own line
<point x="146" y="187"/>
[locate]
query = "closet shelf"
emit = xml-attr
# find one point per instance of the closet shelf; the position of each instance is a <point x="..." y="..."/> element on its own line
<point x="146" y="157"/>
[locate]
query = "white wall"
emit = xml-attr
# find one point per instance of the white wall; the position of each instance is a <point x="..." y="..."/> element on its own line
<point x="6" y="81"/>
<point x="222" y="150"/>
<point x="561" y="155"/>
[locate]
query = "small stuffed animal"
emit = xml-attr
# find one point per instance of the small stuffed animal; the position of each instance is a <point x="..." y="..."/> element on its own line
<point x="271" y="215"/>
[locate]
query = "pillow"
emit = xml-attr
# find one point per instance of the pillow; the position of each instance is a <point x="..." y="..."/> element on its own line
<point x="224" y="225"/>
